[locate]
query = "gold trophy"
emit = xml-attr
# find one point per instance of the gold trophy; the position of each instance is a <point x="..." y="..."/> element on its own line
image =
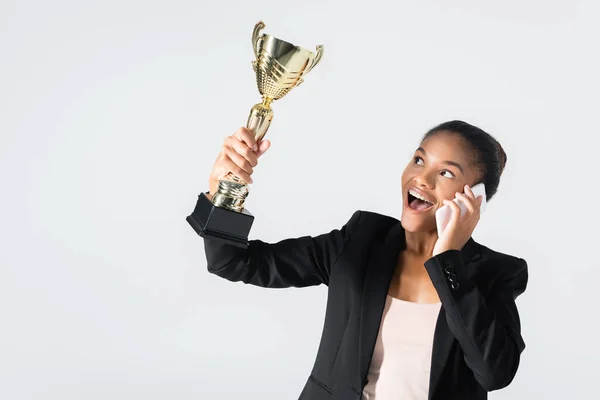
<point x="279" y="66"/>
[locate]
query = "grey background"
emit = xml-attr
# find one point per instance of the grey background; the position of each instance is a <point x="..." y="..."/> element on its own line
<point x="112" y="113"/>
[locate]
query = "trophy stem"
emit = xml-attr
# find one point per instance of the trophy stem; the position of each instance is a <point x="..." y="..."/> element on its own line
<point x="267" y="101"/>
<point x="260" y="118"/>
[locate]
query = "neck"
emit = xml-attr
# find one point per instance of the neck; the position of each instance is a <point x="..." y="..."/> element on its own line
<point x="420" y="244"/>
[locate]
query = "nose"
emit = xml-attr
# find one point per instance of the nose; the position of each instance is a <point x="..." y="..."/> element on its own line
<point x="423" y="180"/>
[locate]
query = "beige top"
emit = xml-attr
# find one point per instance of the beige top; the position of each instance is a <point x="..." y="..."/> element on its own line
<point x="401" y="361"/>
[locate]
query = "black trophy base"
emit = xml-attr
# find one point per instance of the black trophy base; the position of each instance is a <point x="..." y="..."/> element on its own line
<point x="219" y="223"/>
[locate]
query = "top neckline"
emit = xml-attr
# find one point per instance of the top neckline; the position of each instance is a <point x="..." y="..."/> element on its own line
<point x="413" y="303"/>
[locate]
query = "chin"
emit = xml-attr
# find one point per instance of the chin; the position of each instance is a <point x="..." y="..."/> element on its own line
<point x="419" y="224"/>
<point x="415" y="222"/>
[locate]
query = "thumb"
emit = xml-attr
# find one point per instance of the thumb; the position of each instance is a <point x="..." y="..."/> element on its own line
<point x="263" y="146"/>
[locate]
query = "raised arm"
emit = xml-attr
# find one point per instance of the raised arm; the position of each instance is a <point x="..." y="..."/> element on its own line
<point x="303" y="261"/>
<point x="296" y="262"/>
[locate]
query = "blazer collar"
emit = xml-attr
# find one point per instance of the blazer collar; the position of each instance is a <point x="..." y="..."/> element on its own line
<point x="381" y="264"/>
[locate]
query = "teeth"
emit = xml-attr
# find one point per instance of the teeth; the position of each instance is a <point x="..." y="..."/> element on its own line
<point x="418" y="196"/>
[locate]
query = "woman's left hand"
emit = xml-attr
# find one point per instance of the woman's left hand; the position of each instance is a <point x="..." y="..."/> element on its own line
<point x="459" y="230"/>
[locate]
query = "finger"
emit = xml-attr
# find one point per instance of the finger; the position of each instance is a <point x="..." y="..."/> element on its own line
<point x="469" y="192"/>
<point x="238" y="160"/>
<point x="237" y="170"/>
<point x="242" y="149"/>
<point x="246" y="136"/>
<point x="454" y="218"/>
<point x="263" y="146"/>
<point x="223" y="166"/>
<point x="468" y="202"/>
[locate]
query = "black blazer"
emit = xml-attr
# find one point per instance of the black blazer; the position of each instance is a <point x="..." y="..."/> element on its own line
<point x="477" y="340"/>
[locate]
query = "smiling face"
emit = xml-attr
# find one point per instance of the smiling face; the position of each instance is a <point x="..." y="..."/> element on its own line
<point x="440" y="167"/>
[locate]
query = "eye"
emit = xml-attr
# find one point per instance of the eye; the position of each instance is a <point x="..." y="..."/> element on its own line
<point x="451" y="174"/>
<point x="416" y="160"/>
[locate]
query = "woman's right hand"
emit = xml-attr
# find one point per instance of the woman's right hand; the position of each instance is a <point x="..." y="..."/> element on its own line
<point x="239" y="155"/>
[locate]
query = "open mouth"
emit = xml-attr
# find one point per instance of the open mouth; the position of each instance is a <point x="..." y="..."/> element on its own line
<point x="417" y="203"/>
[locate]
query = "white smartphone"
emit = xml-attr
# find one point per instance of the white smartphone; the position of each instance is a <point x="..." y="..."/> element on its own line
<point x="443" y="214"/>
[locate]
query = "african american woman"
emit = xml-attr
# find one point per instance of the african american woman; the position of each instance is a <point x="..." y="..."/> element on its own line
<point x="409" y="315"/>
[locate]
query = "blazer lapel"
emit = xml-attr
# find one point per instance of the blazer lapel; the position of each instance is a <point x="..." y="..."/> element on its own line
<point x="382" y="262"/>
<point x="380" y="269"/>
<point x="442" y="343"/>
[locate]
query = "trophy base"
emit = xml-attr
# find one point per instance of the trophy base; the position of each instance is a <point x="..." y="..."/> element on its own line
<point x="220" y="223"/>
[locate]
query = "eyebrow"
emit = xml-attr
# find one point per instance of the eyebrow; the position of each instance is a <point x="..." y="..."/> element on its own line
<point x="455" y="164"/>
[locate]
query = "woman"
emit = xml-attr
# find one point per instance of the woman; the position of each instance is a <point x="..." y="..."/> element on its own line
<point x="409" y="315"/>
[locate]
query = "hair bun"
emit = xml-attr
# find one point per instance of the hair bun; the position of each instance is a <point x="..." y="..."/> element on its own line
<point x="501" y="156"/>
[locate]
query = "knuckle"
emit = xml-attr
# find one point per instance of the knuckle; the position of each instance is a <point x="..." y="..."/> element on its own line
<point x="250" y="138"/>
<point x="232" y="152"/>
<point x="246" y="152"/>
<point x="240" y="159"/>
<point x="246" y="131"/>
<point x="242" y="131"/>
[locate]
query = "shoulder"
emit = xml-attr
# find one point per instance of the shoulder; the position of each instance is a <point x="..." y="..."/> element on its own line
<point x="371" y="223"/>
<point x="364" y="228"/>
<point x="373" y="217"/>
<point x="513" y="264"/>
<point x="511" y="269"/>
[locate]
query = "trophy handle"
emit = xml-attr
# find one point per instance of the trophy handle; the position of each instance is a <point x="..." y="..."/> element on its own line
<point x="256" y="36"/>
<point x="317" y="58"/>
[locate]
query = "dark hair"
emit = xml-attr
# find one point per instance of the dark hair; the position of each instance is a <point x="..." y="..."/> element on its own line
<point x="486" y="153"/>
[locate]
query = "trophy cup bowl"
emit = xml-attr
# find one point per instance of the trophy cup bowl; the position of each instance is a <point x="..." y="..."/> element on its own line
<point x="279" y="67"/>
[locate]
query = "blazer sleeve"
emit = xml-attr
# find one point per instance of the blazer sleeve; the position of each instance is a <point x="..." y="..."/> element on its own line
<point x="488" y="327"/>
<point x="294" y="262"/>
